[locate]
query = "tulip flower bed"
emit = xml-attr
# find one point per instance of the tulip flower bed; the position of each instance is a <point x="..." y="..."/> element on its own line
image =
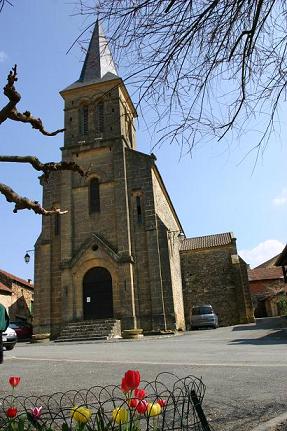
<point x="168" y="403"/>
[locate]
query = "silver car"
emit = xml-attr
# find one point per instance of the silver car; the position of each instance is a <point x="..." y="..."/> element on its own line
<point x="203" y="316"/>
<point x="9" y="338"/>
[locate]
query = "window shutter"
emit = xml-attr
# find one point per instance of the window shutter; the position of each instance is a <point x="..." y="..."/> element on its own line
<point x="99" y="118"/>
<point x="84" y="120"/>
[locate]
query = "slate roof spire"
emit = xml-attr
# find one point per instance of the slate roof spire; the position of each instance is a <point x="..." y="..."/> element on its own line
<point x="98" y="65"/>
<point x="98" y="61"/>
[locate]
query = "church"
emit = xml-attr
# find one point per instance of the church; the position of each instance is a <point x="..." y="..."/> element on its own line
<point x="115" y="254"/>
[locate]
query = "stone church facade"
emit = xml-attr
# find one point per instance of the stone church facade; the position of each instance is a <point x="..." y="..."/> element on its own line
<point x="116" y="252"/>
<point x="121" y="232"/>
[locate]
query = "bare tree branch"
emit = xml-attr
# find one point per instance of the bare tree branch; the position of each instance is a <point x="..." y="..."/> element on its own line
<point x="22" y="203"/>
<point x="10" y="111"/>
<point x="205" y="67"/>
<point x="171" y="3"/>
<point x="3" y="2"/>
<point x="46" y="168"/>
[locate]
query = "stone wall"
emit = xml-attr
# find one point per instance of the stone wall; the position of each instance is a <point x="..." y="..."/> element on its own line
<point x="261" y="289"/>
<point x="212" y="276"/>
<point x="154" y="236"/>
<point x="47" y="261"/>
<point x="5" y="299"/>
<point x="170" y="244"/>
<point x="247" y="309"/>
<point x="136" y="223"/>
<point x="19" y="303"/>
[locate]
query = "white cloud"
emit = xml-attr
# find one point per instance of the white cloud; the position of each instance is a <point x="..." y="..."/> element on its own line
<point x="3" y="56"/>
<point x="263" y="251"/>
<point x="281" y="199"/>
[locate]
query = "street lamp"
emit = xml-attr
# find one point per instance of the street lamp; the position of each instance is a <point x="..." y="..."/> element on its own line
<point x="27" y="256"/>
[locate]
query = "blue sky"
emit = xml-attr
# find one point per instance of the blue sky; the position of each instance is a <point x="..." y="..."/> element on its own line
<point x="215" y="190"/>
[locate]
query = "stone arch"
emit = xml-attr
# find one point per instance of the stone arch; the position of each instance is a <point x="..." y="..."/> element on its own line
<point x="83" y="265"/>
<point x="84" y="101"/>
<point x="97" y="294"/>
<point x="96" y="172"/>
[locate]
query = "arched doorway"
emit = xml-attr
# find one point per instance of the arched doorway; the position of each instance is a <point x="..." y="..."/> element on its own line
<point x="97" y="294"/>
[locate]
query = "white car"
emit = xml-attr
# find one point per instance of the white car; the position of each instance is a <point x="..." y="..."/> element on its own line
<point x="9" y="338"/>
<point x="203" y="316"/>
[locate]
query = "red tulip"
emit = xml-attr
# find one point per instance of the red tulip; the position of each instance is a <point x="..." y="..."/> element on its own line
<point x="161" y="402"/>
<point x="11" y="412"/>
<point x="133" y="402"/>
<point x="124" y="386"/>
<point x="131" y="379"/>
<point x="14" y="381"/>
<point x="139" y="393"/>
<point x="142" y="407"/>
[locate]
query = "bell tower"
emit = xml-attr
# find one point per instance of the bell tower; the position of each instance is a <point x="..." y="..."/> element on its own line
<point x="94" y="236"/>
<point x="98" y="106"/>
<point x="111" y="255"/>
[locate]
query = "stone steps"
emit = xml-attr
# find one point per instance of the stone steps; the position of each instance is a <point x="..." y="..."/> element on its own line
<point x="102" y="329"/>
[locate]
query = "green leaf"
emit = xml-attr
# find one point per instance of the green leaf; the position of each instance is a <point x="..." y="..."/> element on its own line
<point x="65" y="427"/>
<point x="21" y="425"/>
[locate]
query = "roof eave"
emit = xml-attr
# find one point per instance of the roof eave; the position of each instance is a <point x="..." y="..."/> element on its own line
<point x="282" y="259"/>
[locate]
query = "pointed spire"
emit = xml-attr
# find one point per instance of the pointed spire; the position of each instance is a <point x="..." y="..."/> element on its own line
<point x="98" y="59"/>
<point x="99" y="65"/>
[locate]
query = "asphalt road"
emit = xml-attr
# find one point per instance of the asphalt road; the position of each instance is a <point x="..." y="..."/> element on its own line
<point x="244" y="369"/>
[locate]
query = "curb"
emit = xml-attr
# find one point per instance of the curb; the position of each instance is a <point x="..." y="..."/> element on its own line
<point x="270" y="425"/>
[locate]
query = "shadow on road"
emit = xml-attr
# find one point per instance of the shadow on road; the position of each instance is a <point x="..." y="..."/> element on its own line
<point x="263" y="323"/>
<point x="277" y="337"/>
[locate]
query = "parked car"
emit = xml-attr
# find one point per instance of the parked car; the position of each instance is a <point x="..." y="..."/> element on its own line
<point x="9" y="338"/>
<point x="203" y="316"/>
<point x="22" y="329"/>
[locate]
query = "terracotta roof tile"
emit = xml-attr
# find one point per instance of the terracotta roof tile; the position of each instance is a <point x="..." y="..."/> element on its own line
<point x="265" y="274"/>
<point x="5" y="288"/>
<point x="207" y="241"/>
<point x="15" y="278"/>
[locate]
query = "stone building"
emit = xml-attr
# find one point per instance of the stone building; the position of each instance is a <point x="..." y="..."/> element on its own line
<point x="213" y="273"/>
<point x="115" y="254"/>
<point x="17" y="296"/>
<point x="267" y="288"/>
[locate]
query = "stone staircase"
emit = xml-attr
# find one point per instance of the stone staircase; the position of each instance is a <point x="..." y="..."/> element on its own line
<point x="102" y="329"/>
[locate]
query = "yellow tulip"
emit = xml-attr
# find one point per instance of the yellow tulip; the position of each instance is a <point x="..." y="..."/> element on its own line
<point x="153" y="409"/>
<point x="120" y="415"/>
<point x="81" y="414"/>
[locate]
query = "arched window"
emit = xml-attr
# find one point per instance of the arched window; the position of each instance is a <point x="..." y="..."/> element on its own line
<point x="84" y="120"/>
<point x="99" y="117"/>
<point x="94" y="196"/>
<point x="139" y="209"/>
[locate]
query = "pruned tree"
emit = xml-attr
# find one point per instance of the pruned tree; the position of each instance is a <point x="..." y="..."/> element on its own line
<point x="10" y="112"/>
<point x="206" y="67"/>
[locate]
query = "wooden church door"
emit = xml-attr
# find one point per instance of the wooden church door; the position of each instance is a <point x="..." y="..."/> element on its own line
<point x="97" y="294"/>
